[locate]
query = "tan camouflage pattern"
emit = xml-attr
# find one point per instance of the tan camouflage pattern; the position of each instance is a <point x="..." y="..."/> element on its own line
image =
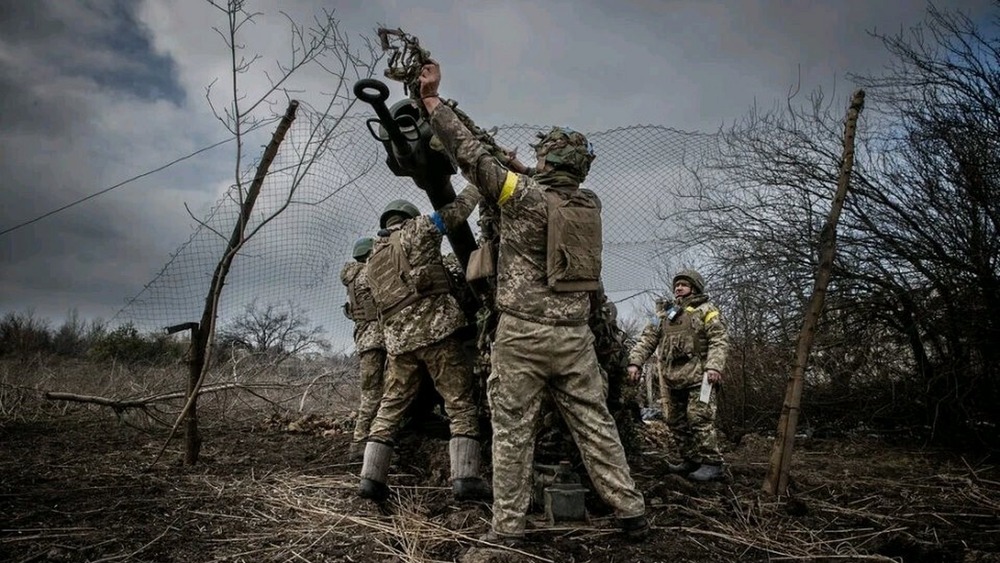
<point x="460" y="288"/>
<point x="692" y="423"/>
<point x="612" y="344"/>
<point x="530" y="362"/>
<point x="712" y="340"/>
<point x="434" y="317"/>
<point x="452" y="377"/>
<point x="367" y="334"/>
<point x="522" y="288"/>
<point x="567" y="151"/>
<point x="372" y="379"/>
<point x="543" y="346"/>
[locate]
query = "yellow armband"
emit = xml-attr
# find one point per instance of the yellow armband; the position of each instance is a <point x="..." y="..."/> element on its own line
<point x="509" y="185"/>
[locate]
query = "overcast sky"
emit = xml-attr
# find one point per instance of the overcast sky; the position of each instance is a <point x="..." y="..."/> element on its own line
<point x="96" y="91"/>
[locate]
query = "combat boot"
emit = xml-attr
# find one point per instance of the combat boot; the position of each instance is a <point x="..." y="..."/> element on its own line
<point x="466" y="483"/>
<point x="708" y="472"/>
<point x="682" y="468"/>
<point x="375" y="472"/>
<point x="635" y="528"/>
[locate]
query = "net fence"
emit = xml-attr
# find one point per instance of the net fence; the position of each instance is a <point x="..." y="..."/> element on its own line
<point x="294" y="259"/>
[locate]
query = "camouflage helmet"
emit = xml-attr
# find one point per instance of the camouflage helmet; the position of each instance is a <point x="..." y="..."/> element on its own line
<point x="566" y="150"/>
<point x="398" y="207"/>
<point x="362" y="247"/>
<point x="694" y="278"/>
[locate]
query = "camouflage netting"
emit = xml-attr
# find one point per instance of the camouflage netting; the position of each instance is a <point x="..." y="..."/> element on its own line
<point x="296" y="258"/>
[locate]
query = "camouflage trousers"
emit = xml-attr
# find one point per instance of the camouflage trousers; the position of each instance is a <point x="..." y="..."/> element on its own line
<point x="452" y="377"/>
<point x="692" y="423"/>
<point x="529" y="361"/>
<point x="372" y="378"/>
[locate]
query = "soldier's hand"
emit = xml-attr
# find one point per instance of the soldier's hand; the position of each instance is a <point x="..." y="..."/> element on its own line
<point x="714" y="376"/>
<point x="634" y="373"/>
<point x="430" y="79"/>
<point x="516" y="165"/>
<point x="513" y="164"/>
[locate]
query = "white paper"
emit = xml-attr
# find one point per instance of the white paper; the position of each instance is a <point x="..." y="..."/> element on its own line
<point x="706" y="389"/>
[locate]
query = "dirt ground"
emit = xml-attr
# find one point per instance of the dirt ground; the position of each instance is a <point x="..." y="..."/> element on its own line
<point x="77" y="486"/>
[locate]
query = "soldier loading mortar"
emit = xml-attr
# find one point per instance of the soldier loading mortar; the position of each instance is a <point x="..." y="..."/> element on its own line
<point x="412" y="151"/>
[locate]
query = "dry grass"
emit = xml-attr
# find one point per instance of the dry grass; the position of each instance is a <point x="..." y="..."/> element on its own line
<point x="274" y="486"/>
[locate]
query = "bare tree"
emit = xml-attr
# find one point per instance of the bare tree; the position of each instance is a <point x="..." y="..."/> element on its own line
<point x="320" y="47"/>
<point x="781" y="457"/>
<point x="756" y="217"/>
<point x="935" y="214"/>
<point x="277" y="331"/>
<point x="914" y="300"/>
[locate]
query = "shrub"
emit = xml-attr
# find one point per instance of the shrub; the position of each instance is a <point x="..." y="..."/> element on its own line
<point x="127" y="345"/>
<point x="22" y="334"/>
<point x="75" y="337"/>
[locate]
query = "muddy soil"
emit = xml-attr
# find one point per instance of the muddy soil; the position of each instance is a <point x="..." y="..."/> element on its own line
<point x="79" y="486"/>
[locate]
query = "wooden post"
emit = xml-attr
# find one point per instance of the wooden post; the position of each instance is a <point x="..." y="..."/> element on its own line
<point x="192" y="438"/>
<point x="776" y="482"/>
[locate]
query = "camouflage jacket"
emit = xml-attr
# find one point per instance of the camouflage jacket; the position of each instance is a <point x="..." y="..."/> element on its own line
<point x="460" y="288"/>
<point x="610" y="342"/>
<point x="522" y="288"/>
<point x="367" y="334"/>
<point x="694" y="342"/>
<point x="434" y="317"/>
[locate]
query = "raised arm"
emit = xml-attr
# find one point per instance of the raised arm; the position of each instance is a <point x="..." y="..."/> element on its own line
<point x="457" y="212"/>
<point x="493" y="180"/>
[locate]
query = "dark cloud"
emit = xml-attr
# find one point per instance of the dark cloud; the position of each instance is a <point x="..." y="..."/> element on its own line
<point x="80" y="84"/>
<point x="100" y="40"/>
<point x="21" y="20"/>
<point x="22" y="110"/>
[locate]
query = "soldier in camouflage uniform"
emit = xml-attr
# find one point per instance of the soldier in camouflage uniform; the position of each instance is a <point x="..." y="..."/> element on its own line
<point x="612" y="345"/>
<point x="543" y="343"/>
<point x="691" y="344"/>
<point x="419" y="316"/>
<point x="368" y="342"/>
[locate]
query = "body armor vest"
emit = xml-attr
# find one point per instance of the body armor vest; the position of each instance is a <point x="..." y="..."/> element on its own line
<point x="680" y="338"/>
<point x="361" y="302"/>
<point x="395" y="284"/>
<point x="574" y="246"/>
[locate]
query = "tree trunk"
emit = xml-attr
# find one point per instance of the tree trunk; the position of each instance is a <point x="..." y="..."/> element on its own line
<point x="776" y="482"/>
<point x="201" y="352"/>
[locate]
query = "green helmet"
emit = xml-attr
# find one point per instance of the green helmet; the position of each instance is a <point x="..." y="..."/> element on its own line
<point x="398" y="207"/>
<point x="362" y="248"/>
<point x="694" y="278"/>
<point x="566" y="150"/>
